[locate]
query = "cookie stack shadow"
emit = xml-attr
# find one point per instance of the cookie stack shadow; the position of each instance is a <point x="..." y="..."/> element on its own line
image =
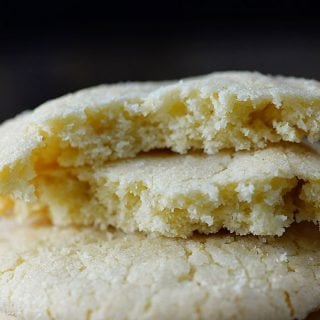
<point x="190" y="199"/>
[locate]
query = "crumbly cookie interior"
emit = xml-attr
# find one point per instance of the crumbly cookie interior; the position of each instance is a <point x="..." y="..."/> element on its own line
<point x="195" y="121"/>
<point x="258" y="192"/>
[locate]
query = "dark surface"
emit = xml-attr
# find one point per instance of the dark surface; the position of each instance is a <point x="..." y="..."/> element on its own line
<point x="49" y="49"/>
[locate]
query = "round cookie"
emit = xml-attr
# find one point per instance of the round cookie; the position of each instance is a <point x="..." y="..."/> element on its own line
<point x="237" y="110"/>
<point x="247" y="192"/>
<point x="50" y="273"/>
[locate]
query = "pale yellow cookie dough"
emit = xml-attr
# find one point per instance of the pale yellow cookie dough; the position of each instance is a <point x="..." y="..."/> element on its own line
<point x="80" y="274"/>
<point x="239" y="110"/>
<point x="259" y="192"/>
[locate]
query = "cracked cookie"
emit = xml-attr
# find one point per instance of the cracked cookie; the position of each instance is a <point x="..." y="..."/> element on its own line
<point x="259" y="192"/>
<point x="237" y="110"/>
<point x="82" y="273"/>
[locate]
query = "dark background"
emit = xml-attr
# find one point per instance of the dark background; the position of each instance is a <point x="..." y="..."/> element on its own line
<point x="50" y="48"/>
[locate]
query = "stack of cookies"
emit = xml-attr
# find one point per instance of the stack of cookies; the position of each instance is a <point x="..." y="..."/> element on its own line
<point x="190" y="199"/>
